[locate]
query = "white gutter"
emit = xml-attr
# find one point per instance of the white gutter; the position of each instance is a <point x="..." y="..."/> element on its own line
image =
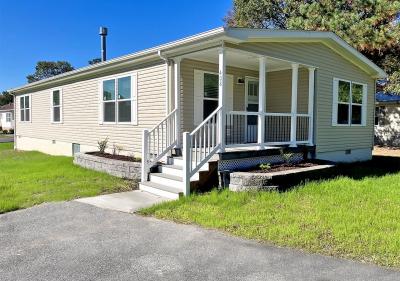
<point x="238" y="34"/>
<point x="145" y="54"/>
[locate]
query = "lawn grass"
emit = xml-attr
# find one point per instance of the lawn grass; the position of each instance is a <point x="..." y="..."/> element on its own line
<point x="30" y="178"/>
<point x="354" y="215"/>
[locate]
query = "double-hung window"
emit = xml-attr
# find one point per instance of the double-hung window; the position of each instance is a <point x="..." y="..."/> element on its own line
<point x="8" y="117"/>
<point x="349" y="103"/>
<point x="119" y="100"/>
<point x="210" y="99"/>
<point x="25" y="108"/>
<point x="56" y="104"/>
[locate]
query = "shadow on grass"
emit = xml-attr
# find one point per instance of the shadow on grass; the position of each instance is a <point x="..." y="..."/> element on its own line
<point x="377" y="167"/>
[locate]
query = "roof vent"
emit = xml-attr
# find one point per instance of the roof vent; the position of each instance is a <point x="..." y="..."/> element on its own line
<point x="103" y="34"/>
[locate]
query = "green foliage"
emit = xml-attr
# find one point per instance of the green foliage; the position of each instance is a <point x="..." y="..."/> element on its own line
<point x="31" y="178"/>
<point x="6" y="98"/>
<point x="102" y="145"/>
<point x="286" y="156"/>
<point x="46" y="69"/>
<point x="94" y="61"/>
<point x="355" y="215"/>
<point x="265" y="167"/>
<point x="372" y="27"/>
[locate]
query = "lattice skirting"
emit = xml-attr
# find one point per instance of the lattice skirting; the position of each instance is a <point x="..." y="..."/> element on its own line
<point x="247" y="163"/>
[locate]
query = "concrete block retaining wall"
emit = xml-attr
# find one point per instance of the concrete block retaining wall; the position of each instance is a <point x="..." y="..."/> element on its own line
<point x="246" y="181"/>
<point x="118" y="168"/>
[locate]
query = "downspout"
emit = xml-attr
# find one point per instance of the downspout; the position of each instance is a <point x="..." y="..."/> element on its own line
<point x="15" y="121"/>
<point x="167" y="63"/>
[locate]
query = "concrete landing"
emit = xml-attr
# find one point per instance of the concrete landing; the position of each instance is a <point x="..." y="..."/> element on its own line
<point x="127" y="202"/>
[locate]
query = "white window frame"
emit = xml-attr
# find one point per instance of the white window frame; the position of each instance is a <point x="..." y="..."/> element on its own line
<point x="133" y="99"/>
<point x="8" y="117"/>
<point x="336" y="103"/>
<point x="23" y="108"/>
<point x="52" y="106"/>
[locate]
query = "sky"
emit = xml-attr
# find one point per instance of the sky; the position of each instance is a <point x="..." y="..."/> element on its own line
<point x="31" y="31"/>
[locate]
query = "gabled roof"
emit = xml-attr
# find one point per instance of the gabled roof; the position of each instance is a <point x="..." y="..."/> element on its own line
<point x="387" y="97"/>
<point x="234" y="35"/>
<point x="7" y="107"/>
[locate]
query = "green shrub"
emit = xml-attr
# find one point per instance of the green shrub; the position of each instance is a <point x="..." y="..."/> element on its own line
<point x="102" y="145"/>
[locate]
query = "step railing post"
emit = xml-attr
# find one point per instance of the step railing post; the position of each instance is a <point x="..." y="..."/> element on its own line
<point x="187" y="161"/>
<point x="145" y="153"/>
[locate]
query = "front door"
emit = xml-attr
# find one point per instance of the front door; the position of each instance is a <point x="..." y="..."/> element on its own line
<point x="251" y="106"/>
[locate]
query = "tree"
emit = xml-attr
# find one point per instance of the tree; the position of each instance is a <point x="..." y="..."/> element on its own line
<point x="94" y="61"/>
<point x="46" y="69"/>
<point x="372" y="27"/>
<point x="6" y="98"/>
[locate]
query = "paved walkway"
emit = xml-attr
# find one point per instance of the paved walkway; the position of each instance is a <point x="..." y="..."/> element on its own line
<point x="75" y="241"/>
<point x="4" y="139"/>
<point x="128" y="202"/>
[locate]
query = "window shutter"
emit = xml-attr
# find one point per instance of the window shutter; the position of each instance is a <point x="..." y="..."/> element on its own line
<point x="364" y="106"/>
<point x="100" y="102"/>
<point x="134" y="102"/>
<point x="198" y="97"/>
<point x="229" y="93"/>
<point x="335" y="101"/>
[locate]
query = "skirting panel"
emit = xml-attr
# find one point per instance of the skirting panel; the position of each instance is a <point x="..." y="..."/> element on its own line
<point x="247" y="163"/>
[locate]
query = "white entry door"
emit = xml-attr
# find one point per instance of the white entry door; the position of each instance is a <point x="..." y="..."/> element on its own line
<point x="251" y="106"/>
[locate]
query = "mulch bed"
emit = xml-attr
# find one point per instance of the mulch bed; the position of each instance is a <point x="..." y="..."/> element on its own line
<point x="285" y="167"/>
<point x="114" y="157"/>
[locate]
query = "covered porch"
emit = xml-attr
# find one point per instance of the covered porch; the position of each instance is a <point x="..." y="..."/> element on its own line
<point x="228" y="99"/>
<point x="262" y="101"/>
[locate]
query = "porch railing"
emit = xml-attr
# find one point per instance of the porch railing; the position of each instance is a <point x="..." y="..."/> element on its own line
<point x="241" y="128"/>
<point x="158" y="142"/>
<point x="199" y="146"/>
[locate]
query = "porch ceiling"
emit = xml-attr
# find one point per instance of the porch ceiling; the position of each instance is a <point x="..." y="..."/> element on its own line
<point x="239" y="59"/>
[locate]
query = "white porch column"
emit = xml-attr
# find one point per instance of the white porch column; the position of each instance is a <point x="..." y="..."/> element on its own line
<point x="261" y="101"/>
<point x="293" y="126"/>
<point x="177" y="96"/>
<point x="221" y="97"/>
<point x="311" y="87"/>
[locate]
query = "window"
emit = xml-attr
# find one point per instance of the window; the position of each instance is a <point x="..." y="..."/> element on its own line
<point x="56" y="103"/>
<point x="118" y="100"/>
<point x="8" y="117"/>
<point x="210" y="100"/>
<point x="349" y="106"/>
<point x="25" y="108"/>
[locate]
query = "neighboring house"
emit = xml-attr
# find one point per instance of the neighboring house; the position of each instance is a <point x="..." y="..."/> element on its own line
<point x="7" y="117"/>
<point x="387" y="119"/>
<point x="229" y="88"/>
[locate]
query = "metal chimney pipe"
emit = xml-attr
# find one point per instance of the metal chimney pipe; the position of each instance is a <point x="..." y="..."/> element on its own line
<point x="103" y="35"/>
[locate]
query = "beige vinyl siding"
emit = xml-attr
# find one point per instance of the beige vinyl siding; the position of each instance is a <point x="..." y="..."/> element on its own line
<point x="81" y="112"/>
<point x="278" y="89"/>
<point x="329" y="65"/>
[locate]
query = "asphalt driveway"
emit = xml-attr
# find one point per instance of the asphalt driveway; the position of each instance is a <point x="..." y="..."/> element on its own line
<point x="75" y="241"/>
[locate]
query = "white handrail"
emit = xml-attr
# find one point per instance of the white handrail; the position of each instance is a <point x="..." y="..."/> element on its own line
<point x="157" y="142"/>
<point x="199" y="146"/>
<point x="205" y="120"/>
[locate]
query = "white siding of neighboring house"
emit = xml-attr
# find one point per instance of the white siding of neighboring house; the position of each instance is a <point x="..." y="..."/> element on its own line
<point x="3" y="121"/>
